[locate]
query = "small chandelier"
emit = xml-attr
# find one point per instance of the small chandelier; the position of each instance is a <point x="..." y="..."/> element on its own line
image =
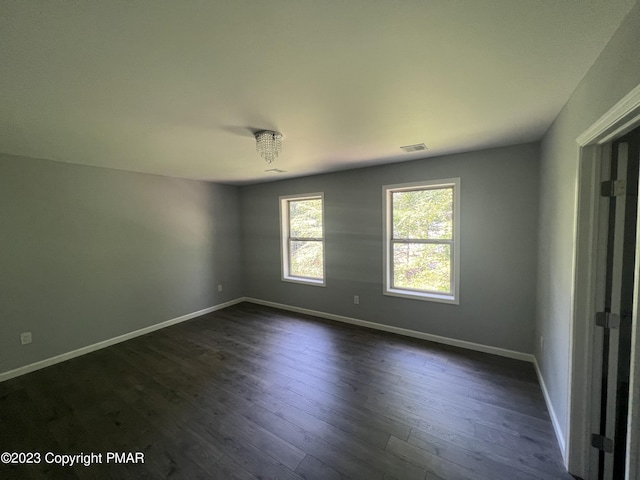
<point x="268" y="144"/>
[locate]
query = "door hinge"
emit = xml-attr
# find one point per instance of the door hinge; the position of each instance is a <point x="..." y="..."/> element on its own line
<point x="602" y="443"/>
<point x="613" y="188"/>
<point x="607" y="320"/>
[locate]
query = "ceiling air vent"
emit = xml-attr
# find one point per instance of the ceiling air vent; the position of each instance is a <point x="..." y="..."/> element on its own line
<point x="414" y="148"/>
<point x="275" y="171"/>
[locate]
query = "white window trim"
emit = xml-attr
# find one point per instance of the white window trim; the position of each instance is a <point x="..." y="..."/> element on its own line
<point x="284" y="241"/>
<point x="387" y="190"/>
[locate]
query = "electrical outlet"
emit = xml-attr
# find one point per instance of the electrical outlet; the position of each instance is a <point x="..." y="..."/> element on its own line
<point x="220" y="287"/>
<point x="356" y="299"/>
<point x="25" y="338"/>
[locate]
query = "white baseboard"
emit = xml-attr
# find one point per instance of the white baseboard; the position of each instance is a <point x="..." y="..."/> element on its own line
<point x="527" y="357"/>
<point x="112" y="341"/>
<point x="438" y="339"/>
<point x="330" y="316"/>
<point x="552" y="414"/>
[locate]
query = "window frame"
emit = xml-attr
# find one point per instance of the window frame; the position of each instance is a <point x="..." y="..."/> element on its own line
<point x="285" y="239"/>
<point x="388" y="289"/>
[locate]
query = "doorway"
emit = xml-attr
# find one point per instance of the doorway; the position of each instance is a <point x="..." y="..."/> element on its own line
<point x="599" y="145"/>
<point x="613" y="322"/>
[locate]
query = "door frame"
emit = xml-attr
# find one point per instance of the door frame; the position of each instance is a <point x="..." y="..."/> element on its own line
<point x="593" y="149"/>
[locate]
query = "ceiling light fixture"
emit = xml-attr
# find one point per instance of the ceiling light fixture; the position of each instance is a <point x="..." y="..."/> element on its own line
<point x="268" y="144"/>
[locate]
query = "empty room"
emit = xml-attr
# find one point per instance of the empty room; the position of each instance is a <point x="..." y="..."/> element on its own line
<point x="320" y="240"/>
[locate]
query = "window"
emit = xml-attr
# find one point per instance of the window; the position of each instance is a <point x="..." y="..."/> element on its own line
<point x="421" y="251"/>
<point x="303" y="238"/>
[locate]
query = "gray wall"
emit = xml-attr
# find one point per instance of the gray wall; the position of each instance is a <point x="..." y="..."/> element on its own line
<point x="499" y="203"/>
<point x="613" y="75"/>
<point x="87" y="254"/>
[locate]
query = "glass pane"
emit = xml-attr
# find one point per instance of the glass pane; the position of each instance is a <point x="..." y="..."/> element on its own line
<point x="421" y="266"/>
<point x="425" y="214"/>
<point x="305" y="218"/>
<point x="305" y="259"/>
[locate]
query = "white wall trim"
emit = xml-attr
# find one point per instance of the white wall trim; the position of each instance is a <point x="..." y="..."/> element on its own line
<point x="633" y="435"/>
<point x="552" y="412"/>
<point x="502" y="352"/>
<point x="585" y="270"/>
<point x="112" y="341"/>
<point x="623" y="117"/>
<point x="620" y="119"/>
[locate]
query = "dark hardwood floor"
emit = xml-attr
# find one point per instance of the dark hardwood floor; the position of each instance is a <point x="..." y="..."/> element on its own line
<point x="253" y="392"/>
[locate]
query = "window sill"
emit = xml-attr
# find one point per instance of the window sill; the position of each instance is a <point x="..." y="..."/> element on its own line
<point x="428" y="297"/>
<point x="305" y="281"/>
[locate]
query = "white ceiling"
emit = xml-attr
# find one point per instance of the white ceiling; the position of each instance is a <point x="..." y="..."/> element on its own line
<point x="176" y="87"/>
